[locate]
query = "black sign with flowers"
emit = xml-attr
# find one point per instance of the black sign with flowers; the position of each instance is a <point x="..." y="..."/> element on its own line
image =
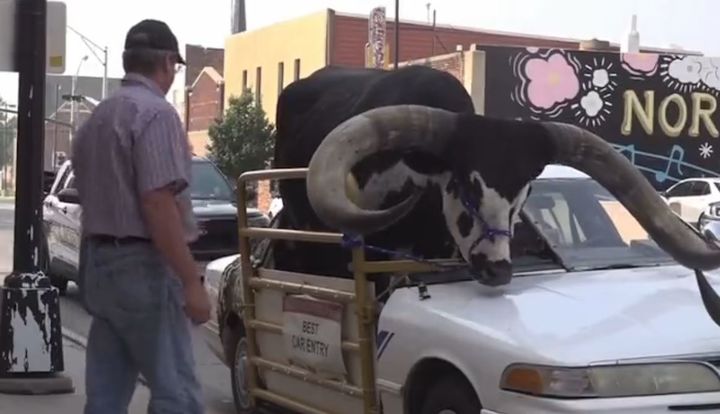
<point x="658" y="110"/>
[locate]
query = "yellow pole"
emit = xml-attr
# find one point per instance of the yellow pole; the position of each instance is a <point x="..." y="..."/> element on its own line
<point x="366" y="318"/>
<point x="248" y="305"/>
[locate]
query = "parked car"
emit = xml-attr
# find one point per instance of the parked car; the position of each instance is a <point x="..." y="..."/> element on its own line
<point x="690" y="197"/>
<point x="597" y="319"/>
<point x="214" y="205"/>
<point x="709" y="223"/>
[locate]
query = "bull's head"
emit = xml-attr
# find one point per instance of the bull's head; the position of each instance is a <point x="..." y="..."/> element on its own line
<point x="489" y="164"/>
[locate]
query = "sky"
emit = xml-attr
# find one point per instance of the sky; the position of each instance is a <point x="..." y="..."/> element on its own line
<point x="661" y="23"/>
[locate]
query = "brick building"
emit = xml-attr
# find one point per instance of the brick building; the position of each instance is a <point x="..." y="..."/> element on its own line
<point x="205" y="104"/>
<point x="267" y="59"/>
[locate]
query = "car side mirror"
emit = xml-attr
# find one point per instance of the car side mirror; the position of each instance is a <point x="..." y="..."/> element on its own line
<point x="69" y="195"/>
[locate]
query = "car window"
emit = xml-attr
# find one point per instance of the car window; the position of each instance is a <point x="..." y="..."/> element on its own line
<point x="588" y="226"/>
<point x="208" y="183"/>
<point x="700" y="188"/>
<point x="70" y="182"/>
<point x="717" y="186"/>
<point x="59" y="186"/>
<point x="680" y="190"/>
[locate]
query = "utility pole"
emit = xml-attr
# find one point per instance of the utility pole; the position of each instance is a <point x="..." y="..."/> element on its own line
<point x="55" y="126"/>
<point x="104" y="85"/>
<point x="397" y="32"/>
<point x="72" y="93"/>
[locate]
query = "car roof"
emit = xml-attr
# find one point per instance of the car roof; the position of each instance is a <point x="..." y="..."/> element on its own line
<point x="552" y="171"/>
<point x="703" y="179"/>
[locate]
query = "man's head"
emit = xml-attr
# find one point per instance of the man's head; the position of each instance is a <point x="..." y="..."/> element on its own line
<point x="151" y="49"/>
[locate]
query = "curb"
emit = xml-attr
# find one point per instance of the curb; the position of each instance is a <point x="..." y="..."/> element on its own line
<point x="81" y="341"/>
<point x="75" y="338"/>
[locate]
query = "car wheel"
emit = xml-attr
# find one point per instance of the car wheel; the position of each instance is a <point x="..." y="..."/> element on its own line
<point x="57" y="281"/>
<point x="451" y="394"/>
<point x="238" y="371"/>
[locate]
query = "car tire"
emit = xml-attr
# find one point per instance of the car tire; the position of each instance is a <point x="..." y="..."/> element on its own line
<point x="56" y="281"/>
<point x="451" y="394"/>
<point x="238" y="368"/>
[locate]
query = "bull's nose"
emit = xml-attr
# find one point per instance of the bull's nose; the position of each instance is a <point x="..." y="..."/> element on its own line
<point x="492" y="273"/>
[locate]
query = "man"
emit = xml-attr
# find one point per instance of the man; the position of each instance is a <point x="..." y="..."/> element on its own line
<point x="132" y="165"/>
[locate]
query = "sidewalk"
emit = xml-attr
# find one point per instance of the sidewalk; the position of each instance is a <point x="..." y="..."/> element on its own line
<point x="66" y="403"/>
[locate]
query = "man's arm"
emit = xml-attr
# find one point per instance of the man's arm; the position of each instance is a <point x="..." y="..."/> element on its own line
<point x="161" y="156"/>
<point x="162" y="217"/>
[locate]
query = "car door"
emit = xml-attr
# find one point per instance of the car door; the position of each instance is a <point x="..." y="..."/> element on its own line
<point x="62" y="232"/>
<point x="53" y="218"/>
<point x="677" y="197"/>
<point x="700" y="196"/>
<point x="73" y="214"/>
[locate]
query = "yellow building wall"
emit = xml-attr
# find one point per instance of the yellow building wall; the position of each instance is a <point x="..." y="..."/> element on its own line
<point x="304" y="39"/>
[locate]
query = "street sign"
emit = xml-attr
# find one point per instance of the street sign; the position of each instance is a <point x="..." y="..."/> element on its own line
<point x="376" y="38"/>
<point x="56" y="36"/>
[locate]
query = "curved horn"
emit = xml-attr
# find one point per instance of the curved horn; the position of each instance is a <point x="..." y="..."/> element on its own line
<point x="588" y="152"/>
<point x="401" y="127"/>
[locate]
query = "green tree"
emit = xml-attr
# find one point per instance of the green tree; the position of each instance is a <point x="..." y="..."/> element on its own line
<point x="8" y="128"/>
<point x="243" y="140"/>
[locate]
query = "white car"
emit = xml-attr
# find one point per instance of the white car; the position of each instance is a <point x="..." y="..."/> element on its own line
<point x="691" y="197"/>
<point x="597" y="319"/>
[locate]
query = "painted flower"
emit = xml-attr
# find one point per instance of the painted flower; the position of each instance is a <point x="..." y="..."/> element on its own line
<point x="710" y="73"/>
<point x="592" y="103"/>
<point x="600" y="78"/>
<point x="552" y="81"/>
<point x="686" y="70"/>
<point x="640" y="63"/>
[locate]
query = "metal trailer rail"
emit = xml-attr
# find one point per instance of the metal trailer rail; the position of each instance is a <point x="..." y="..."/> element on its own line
<point x="365" y="306"/>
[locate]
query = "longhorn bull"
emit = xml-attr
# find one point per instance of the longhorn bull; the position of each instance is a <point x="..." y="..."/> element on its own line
<point x="433" y="176"/>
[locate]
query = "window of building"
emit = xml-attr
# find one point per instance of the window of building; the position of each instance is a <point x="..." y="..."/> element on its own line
<point x="281" y="74"/>
<point x="297" y="69"/>
<point x="244" y="80"/>
<point x="258" y="85"/>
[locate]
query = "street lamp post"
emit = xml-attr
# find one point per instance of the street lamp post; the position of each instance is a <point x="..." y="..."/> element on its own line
<point x="72" y="92"/>
<point x="93" y="48"/>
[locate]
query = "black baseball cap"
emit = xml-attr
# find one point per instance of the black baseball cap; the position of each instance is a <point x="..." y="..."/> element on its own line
<point x="153" y="34"/>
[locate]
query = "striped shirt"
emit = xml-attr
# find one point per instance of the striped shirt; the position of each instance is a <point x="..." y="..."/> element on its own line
<point x="132" y="143"/>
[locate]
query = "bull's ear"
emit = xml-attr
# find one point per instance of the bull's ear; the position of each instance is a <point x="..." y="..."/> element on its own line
<point x="425" y="163"/>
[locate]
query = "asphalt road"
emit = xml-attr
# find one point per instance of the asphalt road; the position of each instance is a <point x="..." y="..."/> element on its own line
<point x="214" y="375"/>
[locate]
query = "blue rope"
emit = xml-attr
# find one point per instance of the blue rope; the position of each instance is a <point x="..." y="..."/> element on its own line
<point x="350" y="241"/>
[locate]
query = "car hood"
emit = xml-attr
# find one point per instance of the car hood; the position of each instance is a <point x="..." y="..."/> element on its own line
<point x="582" y="317"/>
<point x="206" y="208"/>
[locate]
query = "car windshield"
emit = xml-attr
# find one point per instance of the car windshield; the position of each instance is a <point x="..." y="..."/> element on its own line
<point x="588" y="228"/>
<point x="208" y="183"/>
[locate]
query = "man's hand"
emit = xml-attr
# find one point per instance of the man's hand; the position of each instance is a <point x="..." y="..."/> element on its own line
<point x="165" y="225"/>
<point x="197" y="302"/>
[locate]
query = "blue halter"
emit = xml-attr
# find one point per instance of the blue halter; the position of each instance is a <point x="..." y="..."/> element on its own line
<point x="350" y="240"/>
<point x="473" y="208"/>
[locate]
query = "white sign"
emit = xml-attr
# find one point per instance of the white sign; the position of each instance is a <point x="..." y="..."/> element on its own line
<point x="56" y="36"/>
<point x="312" y="330"/>
<point x="376" y="37"/>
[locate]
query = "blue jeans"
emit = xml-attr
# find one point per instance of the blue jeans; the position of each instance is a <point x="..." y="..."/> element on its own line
<point x="138" y="327"/>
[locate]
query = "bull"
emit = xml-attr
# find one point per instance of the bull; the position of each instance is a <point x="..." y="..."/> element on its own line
<point x="309" y="109"/>
<point x="432" y="177"/>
